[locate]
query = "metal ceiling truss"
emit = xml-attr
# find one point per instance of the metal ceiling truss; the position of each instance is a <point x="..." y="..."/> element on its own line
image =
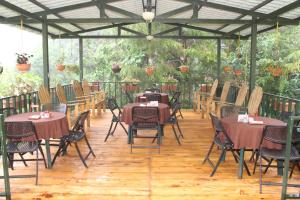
<point x="150" y="5"/>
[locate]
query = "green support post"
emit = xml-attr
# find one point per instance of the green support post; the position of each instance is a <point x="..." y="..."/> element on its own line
<point x="81" y="58"/>
<point x="218" y="59"/>
<point x="45" y="52"/>
<point x="253" y="55"/>
<point x="7" y="193"/>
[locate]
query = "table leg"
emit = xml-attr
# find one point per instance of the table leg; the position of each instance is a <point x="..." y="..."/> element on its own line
<point x="241" y="163"/>
<point x="49" y="161"/>
<point x="280" y="167"/>
<point x="129" y="134"/>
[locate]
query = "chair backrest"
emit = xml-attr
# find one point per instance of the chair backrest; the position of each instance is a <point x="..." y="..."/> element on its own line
<point x="175" y="97"/>
<point x="241" y="95"/>
<point x="153" y="96"/>
<point x="278" y="134"/>
<point x="227" y="111"/>
<point x="8" y="111"/>
<point x="20" y="131"/>
<point x="255" y="100"/>
<point x="55" y="108"/>
<point x="60" y="92"/>
<point x="175" y="108"/>
<point x="225" y="91"/>
<point x="113" y="106"/>
<point x="77" y="89"/>
<point x="145" y="117"/>
<point x="219" y="129"/>
<point x="129" y="98"/>
<point x="79" y="124"/>
<point x="213" y="88"/>
<point x="44" y="95"/>
<point x="86" y="88"/>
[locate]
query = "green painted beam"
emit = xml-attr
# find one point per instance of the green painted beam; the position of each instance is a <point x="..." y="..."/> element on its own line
<point x="45" y="53"/>
<point x="132" y="31"/>
<point x="121" y="11"/>
<point x="218" y="59"/>
<point x="167" y="31"/>
<point x="81" y="58"/>
<point x="253" y="56"/>
<point x="162" y="20"/>
<point x="175" y="12"/>
<point x="141" y="36"/>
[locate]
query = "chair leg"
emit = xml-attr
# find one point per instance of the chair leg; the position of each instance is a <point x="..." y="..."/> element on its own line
<point x="89" y="146"/>
<point x="177" y="124"/>
<point x="10" y="157"/>
<point x="180" y="114"/>
<point x="23" y="160"/>
<point x="255" y="162"/>
<point x="269" y="164"/>
<point x="260" y="174"/>
<point x="176" y="136"/>
<point x="61" y="145"/>
<point x="292" y="170"/>
<point x="108" y="133"/>
<point x="234" y="156"/>
<point x="43" y="155"/>
<point x="218" y="163"/>
<point x="80" y="155"/>
<point x="112" y="133"/>
<point x="208" y="153"/>
<point x="37" y="167"/>
<point x="123" y="128"/>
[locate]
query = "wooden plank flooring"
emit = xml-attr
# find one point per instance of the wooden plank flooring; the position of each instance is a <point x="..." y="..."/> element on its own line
<point x="176" y="173"/>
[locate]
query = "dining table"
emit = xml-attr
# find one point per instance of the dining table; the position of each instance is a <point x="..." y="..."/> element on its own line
<point x="164" y="97"/>
<point x="53" y="127"/>
<point x="248" y="135"/>
<point x="163" y="109"/>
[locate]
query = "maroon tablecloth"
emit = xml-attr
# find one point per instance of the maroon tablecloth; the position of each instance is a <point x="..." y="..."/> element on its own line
<point x="244" y="135"/>
<point x="164" y="112"/>
<point x="164" y="97"/>
<point x="54" y="127"/>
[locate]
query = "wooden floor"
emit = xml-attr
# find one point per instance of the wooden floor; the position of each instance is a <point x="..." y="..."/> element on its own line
<point x="176" y="173"/>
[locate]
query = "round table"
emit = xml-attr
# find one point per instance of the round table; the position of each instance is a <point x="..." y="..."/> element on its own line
<point x="164" y="112"/>
<point x="164" y="97"/>
<point x="54" y="127"/>
<point x="245" y="135"/>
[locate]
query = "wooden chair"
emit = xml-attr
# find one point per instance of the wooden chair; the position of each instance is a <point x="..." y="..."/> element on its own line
<point x="218" y="103"/>
<point x="196" y="101"/>
<point x="97" y="98"/>
<point x="79" y="95"/>
<point x="44" y="95"/>
<point x="206" y="100"/>
<point x="78" y="106"/>
<point x="255" y="100"/>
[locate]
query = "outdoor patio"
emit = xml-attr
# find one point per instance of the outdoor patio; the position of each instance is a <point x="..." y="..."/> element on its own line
<point x="176" y="173"/>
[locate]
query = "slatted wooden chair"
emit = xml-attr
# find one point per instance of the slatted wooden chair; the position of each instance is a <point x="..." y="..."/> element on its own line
<point x="196" y="101"/>
<point x="97" y="98"/>
<point x="44" y="95"/>
<point x="78" y="106"/>
<point x="79" y="95"/>
<point x="218" y="103"/>
<point x="255" y="100"/>
<point x="206" y="100"/>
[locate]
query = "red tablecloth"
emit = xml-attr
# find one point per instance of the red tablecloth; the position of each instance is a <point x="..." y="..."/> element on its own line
<point x="244" y="135"/>
<point x="54" y="127"/>
<point x="164" y="97"/>
<point x="164" y="112"/>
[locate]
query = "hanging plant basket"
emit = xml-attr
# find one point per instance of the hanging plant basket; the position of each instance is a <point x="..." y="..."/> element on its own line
<point x="184" y="69"/>
<point x="116" y="68"/>
<point x="275" y="70"/>
<point x="227" y="69"/>
<point x="60" y="67"/>
<point x="238" y="72"/>
<point x="149" y="70"/>
<point x="23" y="67"/>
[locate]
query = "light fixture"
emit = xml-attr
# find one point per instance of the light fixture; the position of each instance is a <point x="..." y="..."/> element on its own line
<point x="148" y="16"/>
<point x="149" y="37"/>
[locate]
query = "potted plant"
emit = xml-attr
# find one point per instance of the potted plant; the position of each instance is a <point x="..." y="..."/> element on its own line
<point x="169" y="84"/>
<point x="59" y="64"/>
<point x="130" y="84"/>
<point x="23" y="62"/>
<point x="116" y="68"/>
<point x="149" y="70"/>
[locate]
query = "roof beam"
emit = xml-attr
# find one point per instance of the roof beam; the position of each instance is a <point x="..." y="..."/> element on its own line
<point x="101" y="6"/>
<point x="132" y="31"/>
<point x="162" y="20"/>
<point x="30" y="15"/>
<point x="273" y="14"/>
<point x="121" y="11"/>
<point x="140" y="36"/>
<point x="46" y="8"/>
<point x="175" y="12"/>
<point x="167" y="31"/>
<point x="252" y="9"/>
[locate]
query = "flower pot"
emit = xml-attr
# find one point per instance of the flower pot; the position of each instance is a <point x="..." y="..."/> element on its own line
<point x="60" y="67"/>
<point x="238" y="72"/>
<point x="227" y="69"/>
<point x="116" y="68"/>
<point x="23" y="67"/>
<point x="277" y="71"/>
<point x="149" y="71"/>
<point x="184" y="69"/>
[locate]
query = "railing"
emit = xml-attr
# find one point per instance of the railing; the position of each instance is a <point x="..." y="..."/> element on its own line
<point x="271" y="105"/>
